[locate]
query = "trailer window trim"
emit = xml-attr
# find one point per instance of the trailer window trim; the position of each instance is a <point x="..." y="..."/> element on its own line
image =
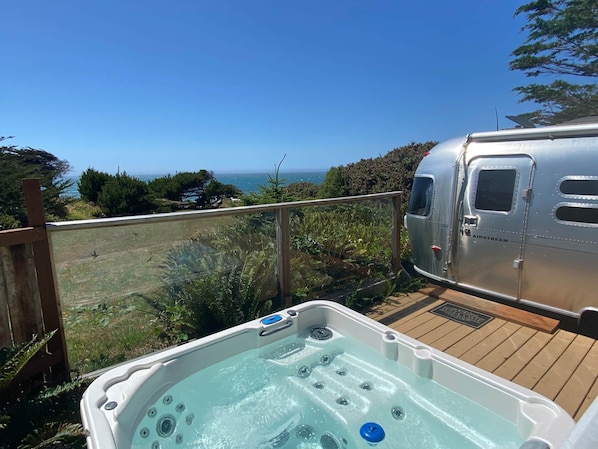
<point x="578" y="187"/>
<point x="576" y="214"/>
<point x="488" y="200"/>
<point x="422" y="192"/>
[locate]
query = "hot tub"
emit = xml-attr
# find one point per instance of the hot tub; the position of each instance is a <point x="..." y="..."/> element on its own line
<point x="318" y="375"/>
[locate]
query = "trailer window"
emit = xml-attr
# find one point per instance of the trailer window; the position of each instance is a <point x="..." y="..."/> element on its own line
<point x="495" y="190"/>
<point x="578" y="214"/>
<point x="585" y="187"/>
<point x="421" y="196"/>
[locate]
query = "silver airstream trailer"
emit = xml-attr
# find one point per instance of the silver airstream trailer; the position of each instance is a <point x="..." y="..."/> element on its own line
<point x="512" y="214"/>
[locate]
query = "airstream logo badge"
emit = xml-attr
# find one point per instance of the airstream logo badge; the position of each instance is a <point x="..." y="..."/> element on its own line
<point x="492" y="239"/>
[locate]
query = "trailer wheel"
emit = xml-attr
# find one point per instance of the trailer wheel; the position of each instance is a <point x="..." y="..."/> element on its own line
<point x="589" y="323"/>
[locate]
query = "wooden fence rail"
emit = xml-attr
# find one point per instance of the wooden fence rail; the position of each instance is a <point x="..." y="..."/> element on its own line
<point x="28" y="300"/>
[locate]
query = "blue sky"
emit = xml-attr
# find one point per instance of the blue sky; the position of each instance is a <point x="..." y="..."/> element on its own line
<point x="152" y="86"/>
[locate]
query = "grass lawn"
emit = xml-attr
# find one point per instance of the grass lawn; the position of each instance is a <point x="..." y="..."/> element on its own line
<point x="108" y="333"/>
<point x="99" y="274"/>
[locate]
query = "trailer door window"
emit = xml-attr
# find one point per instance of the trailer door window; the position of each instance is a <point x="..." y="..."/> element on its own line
<point x="495" y="190"/>
<point x="421" y="196"/>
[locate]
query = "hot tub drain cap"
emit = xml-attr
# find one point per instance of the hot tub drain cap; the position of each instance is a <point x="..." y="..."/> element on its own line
<point x="372" y="432"/>
<point x="320" y="333"/>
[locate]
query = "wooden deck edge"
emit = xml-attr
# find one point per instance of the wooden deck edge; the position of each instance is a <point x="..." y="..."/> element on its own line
<point x="513" y="314"/>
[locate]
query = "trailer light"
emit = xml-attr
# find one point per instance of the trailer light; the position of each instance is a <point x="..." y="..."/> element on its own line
<point x="436" y="248"/>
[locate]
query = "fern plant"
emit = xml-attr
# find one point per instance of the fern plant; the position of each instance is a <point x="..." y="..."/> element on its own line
<point x="36" y="418"/>
<point x="207" y="290"/>
<point x="12" y="360"/>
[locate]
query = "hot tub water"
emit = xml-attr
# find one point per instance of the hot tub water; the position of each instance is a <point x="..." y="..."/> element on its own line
<point x="315" y="393"/>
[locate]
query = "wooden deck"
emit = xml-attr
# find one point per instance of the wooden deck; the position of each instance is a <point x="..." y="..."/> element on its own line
<point x="558" y="364"/>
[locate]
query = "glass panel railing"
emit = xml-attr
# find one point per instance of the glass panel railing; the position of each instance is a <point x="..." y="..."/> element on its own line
<point x="102" y="264"/>
<point x="127" y="290"/>
<point x="341" y="251"/>
<point x="222" y="277"/>
<point x="132" y="285"/>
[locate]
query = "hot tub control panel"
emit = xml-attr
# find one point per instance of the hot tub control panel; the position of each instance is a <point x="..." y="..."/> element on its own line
<point x="276" y="322"/>
<point x="271" y="319"/>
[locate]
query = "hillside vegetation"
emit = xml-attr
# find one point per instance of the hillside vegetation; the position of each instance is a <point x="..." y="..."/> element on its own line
<point x="394" y="171"/>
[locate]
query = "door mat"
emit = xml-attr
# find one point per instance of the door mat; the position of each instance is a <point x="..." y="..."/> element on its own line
<point x="462" y="315"/>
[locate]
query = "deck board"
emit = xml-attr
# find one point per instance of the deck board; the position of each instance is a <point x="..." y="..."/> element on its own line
<point x="490" y="343"/>
<point x="579" y="385"/>
<point x="513" y="366"/>
<point x="559" y="373"/>
<point x="462" y="346"/>
<point x="536" y="368"/>
<point x="442" y="343"/>
<point x="590" y="397"/>
<point x="561" y="365"/>
<point x="440" y="332"/>
<point x="493" y="360"/>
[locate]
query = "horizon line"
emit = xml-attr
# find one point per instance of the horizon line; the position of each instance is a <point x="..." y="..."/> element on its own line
<point x="216" y="172"/>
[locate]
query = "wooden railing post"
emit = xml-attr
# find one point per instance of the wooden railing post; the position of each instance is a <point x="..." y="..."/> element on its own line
<point x="396" y="234"/>
<point x="45" y="277"/>
<point x="283" y="240"/>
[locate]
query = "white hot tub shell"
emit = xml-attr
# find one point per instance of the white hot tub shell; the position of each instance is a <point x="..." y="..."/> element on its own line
<point x="116" y="402"/>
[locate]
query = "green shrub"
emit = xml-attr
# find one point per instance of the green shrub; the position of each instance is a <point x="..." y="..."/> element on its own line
<point x="183" y="186"/>
<point x="43" y="416"/>
<point x="333" y="185"/>
<point x="8" y="222"/>
<point x="82" y="210"/>
<point x="302" y="190"/>
<point x="125" y="195"/>
<point x="393" y="171"/>
<point x="208" y="289"/>
<point x="90" y="184"/>
<point x="355" y="232"/>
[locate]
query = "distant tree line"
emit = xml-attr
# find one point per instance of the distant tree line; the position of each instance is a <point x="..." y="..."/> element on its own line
<point x="121" y="194"/>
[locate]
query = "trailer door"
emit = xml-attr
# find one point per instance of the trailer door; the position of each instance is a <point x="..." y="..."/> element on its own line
<point x="493" y="219"/>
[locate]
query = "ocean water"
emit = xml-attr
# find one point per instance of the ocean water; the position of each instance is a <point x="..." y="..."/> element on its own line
<point x="246" y="182"/>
